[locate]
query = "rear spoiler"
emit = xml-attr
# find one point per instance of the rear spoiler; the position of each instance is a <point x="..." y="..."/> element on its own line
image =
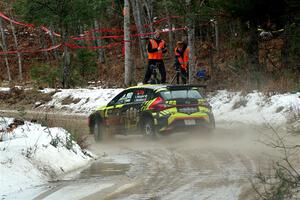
<point x="189" y="86"/>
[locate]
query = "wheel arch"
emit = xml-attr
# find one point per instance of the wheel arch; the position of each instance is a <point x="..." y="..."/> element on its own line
<point x="96" y="116"/>
<point x="144" y="115"/>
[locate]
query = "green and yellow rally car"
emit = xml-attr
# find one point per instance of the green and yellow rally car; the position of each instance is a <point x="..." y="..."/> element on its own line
<point x="152" y="109"/>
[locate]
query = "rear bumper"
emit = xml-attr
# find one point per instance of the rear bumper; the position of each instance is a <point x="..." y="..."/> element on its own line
<point x="182" y="123"/>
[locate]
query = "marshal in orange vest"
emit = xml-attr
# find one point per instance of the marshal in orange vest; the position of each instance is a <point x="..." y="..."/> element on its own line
<point x="156" y="55"/>
<point x="183" y="60"/>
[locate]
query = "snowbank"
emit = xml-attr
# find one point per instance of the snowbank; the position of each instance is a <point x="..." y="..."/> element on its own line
<point x="81" y="100"/>
<point x="254" y="108"/>
<point x="31" y="154"/>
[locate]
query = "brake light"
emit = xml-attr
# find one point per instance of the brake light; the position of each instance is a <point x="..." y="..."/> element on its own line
<point x="158" y="104"/>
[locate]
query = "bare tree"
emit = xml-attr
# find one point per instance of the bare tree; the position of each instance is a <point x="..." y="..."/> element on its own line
<point x="101" y="57"/>
<point x="147" y="6"/>
<point x="42" y="43"/>
<point x="191" y="41"/>
<point x="136" y="9"/>
<point x="127" y="45"/>
<point x="283" y="182"/>
<point x="171" y="41"/>
<point x="18" y="53"/>
<point x="217" y="36"/>
<point x="4" y="47"/>
<point x="66" y="60"/>
<point x="53" y="41"/>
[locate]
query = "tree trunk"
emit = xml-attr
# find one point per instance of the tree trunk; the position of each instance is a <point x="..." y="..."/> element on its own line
<point x="42" y="43"/>
<point x="53" y="41"/>
<point x="170" y="33"/>
<point x="101" y="57"/>
<point x="285" y="61"/>
<point x="252" y="50"/>
<point x="66" y="61"/>
<point x="135" y="4"/>
<point x="211" y="52"/>
<point x="191" y="42"/>
<point x="18" y="54"/>
<point x="128" y="57"/>
<point x="217" y="36"/>
<point x="4" y="47"/>
<point x="147" y="4"/>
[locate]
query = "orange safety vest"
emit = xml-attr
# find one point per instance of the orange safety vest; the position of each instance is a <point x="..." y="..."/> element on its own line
<point x="156" y="55"/>
<point x="183" y="61"/>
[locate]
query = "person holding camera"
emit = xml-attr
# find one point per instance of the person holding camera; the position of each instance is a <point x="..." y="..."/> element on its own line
<point x="156" y="48"/>
<point x="181" y="61"/>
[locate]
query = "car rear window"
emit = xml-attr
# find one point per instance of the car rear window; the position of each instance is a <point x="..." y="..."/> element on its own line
<point x="181" y="94"/>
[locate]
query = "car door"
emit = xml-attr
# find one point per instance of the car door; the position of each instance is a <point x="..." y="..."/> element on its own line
<point x="115" y="111"/>
<point x="132" y="110"/>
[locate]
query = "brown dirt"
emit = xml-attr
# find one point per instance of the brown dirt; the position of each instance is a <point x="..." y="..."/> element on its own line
<point x="69" y="100"/>
<point x="19" y="98"/>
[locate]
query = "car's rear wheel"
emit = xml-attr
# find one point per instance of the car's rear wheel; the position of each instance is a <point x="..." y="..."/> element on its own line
<point x="148" y="128"/>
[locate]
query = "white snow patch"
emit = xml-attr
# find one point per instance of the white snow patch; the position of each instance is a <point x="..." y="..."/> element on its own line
<point x="88" y="99"/>
<point x="254" y="108"/>
<point x="4" y="89"/>
<point x="48" y="90"/>
<point x="32" y="154"/>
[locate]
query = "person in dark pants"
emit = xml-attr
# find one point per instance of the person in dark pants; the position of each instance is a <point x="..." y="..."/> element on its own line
<point x="156" y="48"/>
<point x="181" y="61"/>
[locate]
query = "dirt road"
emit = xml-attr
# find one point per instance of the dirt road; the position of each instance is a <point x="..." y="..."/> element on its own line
<point x="181" y="166"/>
<point x="178" y="166"/>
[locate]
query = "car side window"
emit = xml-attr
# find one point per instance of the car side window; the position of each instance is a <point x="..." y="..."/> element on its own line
<point x="151" y="95"/>
<point x="126" y="98"/>
<point x="140" y="96"/>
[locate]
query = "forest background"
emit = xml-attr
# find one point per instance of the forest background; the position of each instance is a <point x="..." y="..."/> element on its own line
<point x="243" y="44"/>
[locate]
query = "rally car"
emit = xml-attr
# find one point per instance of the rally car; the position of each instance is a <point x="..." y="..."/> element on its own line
<point x="152" y="109"/>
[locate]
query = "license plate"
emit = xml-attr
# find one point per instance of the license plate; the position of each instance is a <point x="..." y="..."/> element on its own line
<point x="189" y="122"/>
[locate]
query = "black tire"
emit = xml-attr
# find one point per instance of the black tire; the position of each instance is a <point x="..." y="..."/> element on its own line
<point x="99" y="130"/>
<point x="148" y="128"/>
<point x="212" y="123"/>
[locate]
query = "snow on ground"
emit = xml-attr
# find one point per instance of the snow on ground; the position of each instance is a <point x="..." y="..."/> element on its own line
<point x="4" y="89"/>
<point x="32" y="154"/>
<point x="254" y="108"/>
<point x="84" y="100"/>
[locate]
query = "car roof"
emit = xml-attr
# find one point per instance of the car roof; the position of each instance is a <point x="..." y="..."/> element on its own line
<point x="160" y="87"/>
<point x="149" y="86"/>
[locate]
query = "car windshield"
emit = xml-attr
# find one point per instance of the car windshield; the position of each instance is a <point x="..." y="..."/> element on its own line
<point x="181" y="94"/>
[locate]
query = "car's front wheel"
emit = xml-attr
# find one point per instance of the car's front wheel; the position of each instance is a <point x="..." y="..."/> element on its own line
<point x="99" y="130"/>
<point x="212" y="123"/>
<point x="148" y="128"/>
